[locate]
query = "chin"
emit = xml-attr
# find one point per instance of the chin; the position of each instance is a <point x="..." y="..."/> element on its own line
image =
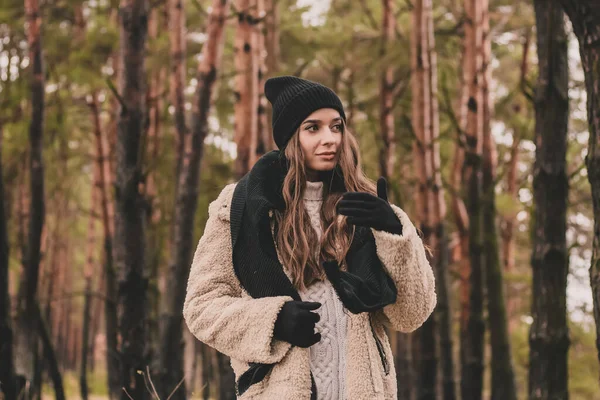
<point x="324" y="166"/>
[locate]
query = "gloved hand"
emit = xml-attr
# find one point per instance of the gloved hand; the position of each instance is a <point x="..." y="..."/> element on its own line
<point x="295" y="323"/>
<point x="364" y="209"/>
<point x="361" y="291"/>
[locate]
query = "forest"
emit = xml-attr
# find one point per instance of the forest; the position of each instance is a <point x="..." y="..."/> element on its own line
<point x="122" y="120"/>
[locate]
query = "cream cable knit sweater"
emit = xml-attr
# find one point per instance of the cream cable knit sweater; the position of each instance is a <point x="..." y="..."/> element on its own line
<point x="328" y="357"/>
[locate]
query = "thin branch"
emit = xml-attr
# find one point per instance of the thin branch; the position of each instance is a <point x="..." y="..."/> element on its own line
<point x="528" y="90"/>
<point x="113" y="89"/>
<point x="301" y="68"/>
<point x="576" y="172"/>
<point x="146" y="384"/>
<point x="447" y="108"/>
<point x="369" y="14"/>
<point x="125" y="390"/>
<point x="177" y="387"/>
<point x="151" y="383"/>
<point x="411" y="129"/>
<point x="455" y="30"/>
<point x="199" y="7"/>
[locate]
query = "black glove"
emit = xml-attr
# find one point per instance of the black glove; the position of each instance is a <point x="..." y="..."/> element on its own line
<point x="364" y="209"/>
<point x="361" y="291"/>
<point x="295" y="323"/>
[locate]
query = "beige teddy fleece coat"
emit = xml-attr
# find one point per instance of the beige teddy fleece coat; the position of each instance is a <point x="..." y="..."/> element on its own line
<point x="221" y="314"/>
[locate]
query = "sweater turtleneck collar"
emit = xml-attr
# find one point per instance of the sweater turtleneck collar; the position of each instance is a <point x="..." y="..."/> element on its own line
<point x="313" y="191"/>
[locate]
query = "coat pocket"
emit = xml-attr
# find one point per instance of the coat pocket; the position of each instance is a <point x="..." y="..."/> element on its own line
<point x="253" y="375"/>
<point x="385" y="363"/>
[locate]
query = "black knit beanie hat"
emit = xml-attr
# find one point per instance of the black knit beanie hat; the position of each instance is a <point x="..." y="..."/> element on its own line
<point x="293" y="99"/>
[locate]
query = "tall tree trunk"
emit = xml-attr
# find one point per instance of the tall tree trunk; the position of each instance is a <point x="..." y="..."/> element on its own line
<point x="171" y="346"/>
<point x="97" y="305"/>
<point x="225" y="377"/>
<point x="177" y="75"/>
<point x="425" y="344"/>
<point x="207" y="370"/>
<point x="472" y="326"/>
<point x="351" y="96"/>
<point x="265" y="137"/>
<point x="386" y="117"/>
<point x="108" y="276"/>
<point x="273" y="53"/>
<point x="549" y="335"/>
<point x="88" y="272"/>
<point x="7" y="373"/>
<point x="49" y="354"/>
<point x="503" y="377"/>
<point x="405" y="376"/>
<point x="190" y="361"/>
<point x="439" y="240"/>
<point x="585" y="17"/>
<point x="36" y="131"/>
<point x="129" y="249"/>
<point x="26" y="319"/>
<point x="246" y="88"/>
<point x="459" y="209"/>
<point x="434" y="338"/>
<point x="155" y="242"/>
<point x="507" y="226"/>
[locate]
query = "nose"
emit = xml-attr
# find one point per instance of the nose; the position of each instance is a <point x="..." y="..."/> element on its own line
<point x="328" y="137"/>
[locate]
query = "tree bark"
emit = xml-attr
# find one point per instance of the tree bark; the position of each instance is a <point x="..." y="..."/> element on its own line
<point x="585" y="17"/>
<point x="177" y="75"/>
<point x="108" y="276"/>
<point x="472" y="324"/>
<point x="436" y="370"/>
<point x="265" y="137"/>
<point x="273" y="53"/>
<point x="246" y="88"/>
<point x="27" y="342"/>
<point x="503" y="377"/>
<point x="88" y="273"/>
<point x="171" y="344"/>
<point x="49" y="354"/>
<point x="461" y="217"/>
<point x="439" y="240"/>
<point x="190" y="362"/>
<point x="405" y="376"/>
<point x="226" y="378"/>
<point x="507" y="226"/>
<point x="7" y="373"/>
<point x="424" y="344"/>
<point x="155" y="241"/>
<point x="129" y="249"/>
<point x="207" y="370"/>
<point x="386" y="81"/>
<point x="548" y="334"/>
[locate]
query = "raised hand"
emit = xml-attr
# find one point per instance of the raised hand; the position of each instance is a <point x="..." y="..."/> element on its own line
<point x="365" y="209"/>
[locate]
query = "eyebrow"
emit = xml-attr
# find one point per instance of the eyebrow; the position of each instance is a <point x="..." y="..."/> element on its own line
<point x="318" y="120"/>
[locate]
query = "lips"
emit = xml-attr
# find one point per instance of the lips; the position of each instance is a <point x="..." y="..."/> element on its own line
<point x="327" y="156"/>
<point x="329" y="153"/>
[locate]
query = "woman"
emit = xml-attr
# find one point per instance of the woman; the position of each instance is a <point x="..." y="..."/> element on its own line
<point x="303" y="262"/>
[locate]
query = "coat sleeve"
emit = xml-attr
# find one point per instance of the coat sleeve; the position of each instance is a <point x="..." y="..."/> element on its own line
<point x="214" y="309"/>
<point x="404" y="258"/>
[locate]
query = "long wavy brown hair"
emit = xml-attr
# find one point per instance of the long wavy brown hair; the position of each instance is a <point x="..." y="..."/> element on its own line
<point x="297" y="242"/>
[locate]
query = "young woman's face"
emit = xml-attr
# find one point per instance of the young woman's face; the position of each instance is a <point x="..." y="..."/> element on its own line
<point x="320" y="140"/>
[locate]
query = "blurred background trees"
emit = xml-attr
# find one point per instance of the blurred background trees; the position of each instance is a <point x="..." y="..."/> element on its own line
<point x="121" y="121"/>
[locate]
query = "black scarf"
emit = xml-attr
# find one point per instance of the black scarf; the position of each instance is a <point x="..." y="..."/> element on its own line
<point x="364" y="287"/>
